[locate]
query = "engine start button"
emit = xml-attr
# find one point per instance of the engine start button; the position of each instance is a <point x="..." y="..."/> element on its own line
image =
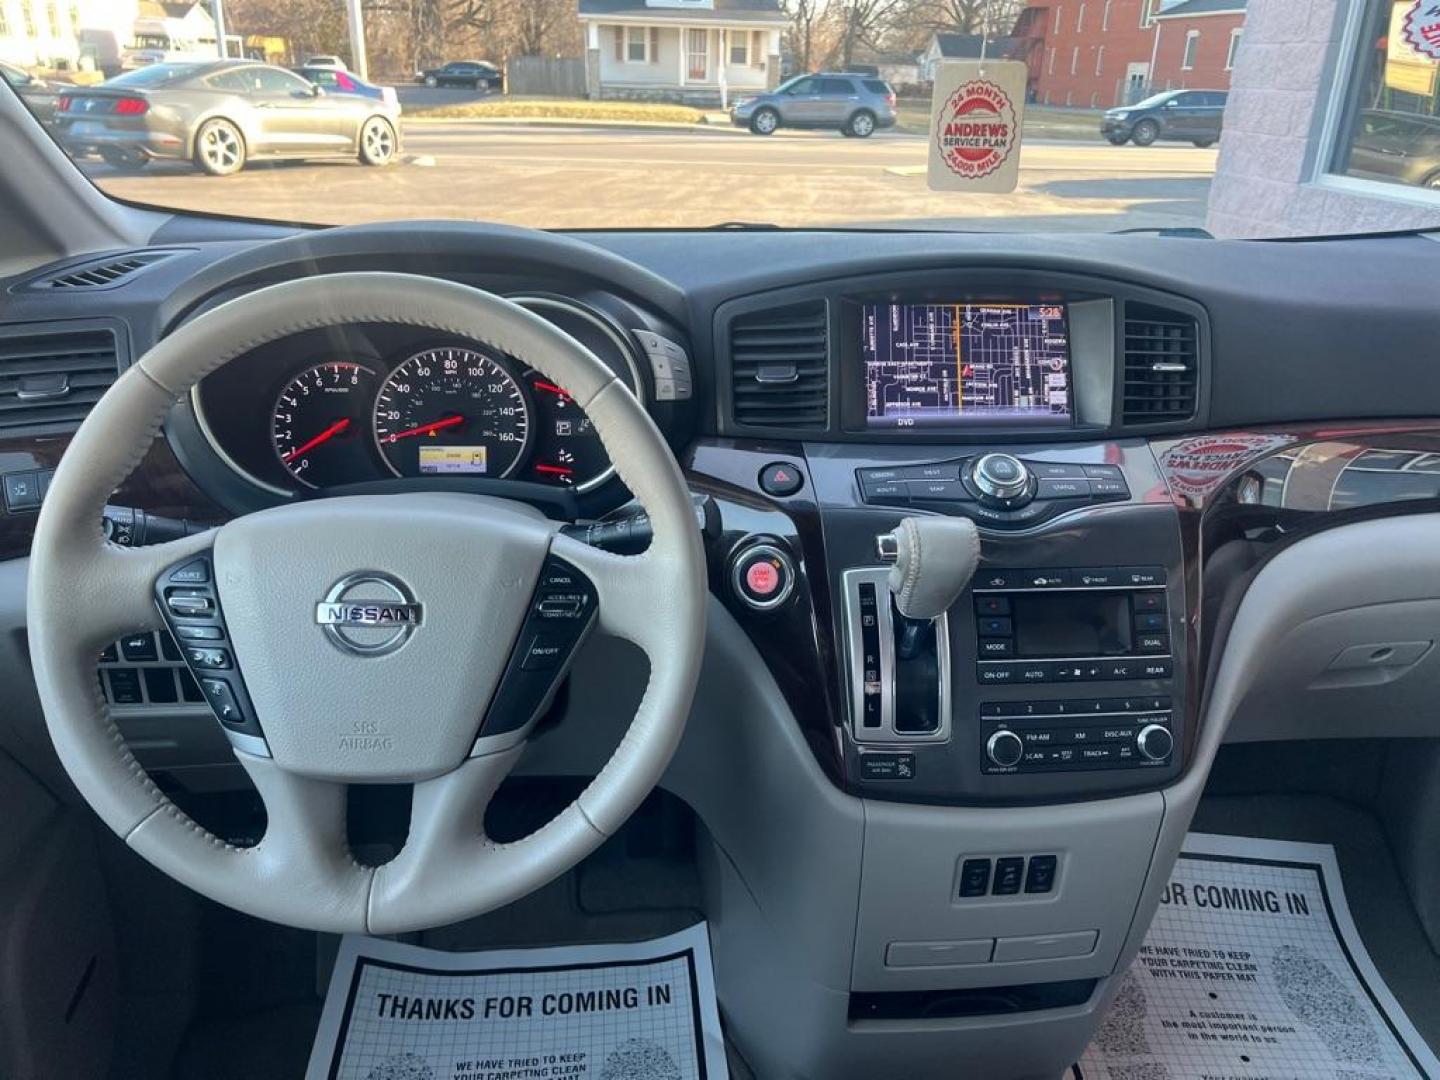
<point x="763" y="575"/>
<point x="762" y="578"/>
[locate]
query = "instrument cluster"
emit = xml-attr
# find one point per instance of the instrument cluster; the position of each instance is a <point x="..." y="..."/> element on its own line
<point x="352" y="405"/>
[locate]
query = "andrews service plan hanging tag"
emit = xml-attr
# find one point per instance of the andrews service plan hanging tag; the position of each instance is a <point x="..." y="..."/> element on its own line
<point x="975" y="119"/>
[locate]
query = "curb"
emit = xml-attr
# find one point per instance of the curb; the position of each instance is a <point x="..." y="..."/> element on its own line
<point x="712" y="127"/>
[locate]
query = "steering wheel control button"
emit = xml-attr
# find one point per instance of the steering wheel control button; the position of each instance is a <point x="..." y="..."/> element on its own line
<point x="193" y="616"/>
<point x="780" y="479"/>
<point x="545" y="652"/>
<point x="762" y="576"/>
<point x="222" y="700"/>
<point x="561" y="612"/>
<point x="192" y="573"/>
<point x="189" y="604"/>
<point x="209" y="658"/>
<point x="187" y="632"/>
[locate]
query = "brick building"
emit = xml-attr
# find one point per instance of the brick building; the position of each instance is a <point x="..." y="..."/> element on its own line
<point x="1100" y="53"/>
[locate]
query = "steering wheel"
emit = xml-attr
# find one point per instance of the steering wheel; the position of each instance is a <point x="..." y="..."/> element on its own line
<point x="465" y="575"/>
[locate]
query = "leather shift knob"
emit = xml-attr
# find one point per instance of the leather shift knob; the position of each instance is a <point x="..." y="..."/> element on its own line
<point x="935" y="557"/>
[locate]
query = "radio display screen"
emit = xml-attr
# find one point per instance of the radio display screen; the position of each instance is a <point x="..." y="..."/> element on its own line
<point x="965" y="365"/>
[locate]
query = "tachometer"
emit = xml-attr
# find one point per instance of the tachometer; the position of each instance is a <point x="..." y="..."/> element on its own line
<point x="319" y="423"/>
<point x="452" y="411"/>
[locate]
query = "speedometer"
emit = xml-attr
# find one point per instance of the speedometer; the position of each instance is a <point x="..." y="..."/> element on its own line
<point x="452" y="411"/>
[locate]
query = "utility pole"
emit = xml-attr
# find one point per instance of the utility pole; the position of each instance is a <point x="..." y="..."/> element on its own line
<point x="218" y="7"/>
<point x="359" y="64"/>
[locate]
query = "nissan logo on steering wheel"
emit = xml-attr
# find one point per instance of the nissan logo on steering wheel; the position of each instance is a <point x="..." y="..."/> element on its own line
<point x="369" y="614"/>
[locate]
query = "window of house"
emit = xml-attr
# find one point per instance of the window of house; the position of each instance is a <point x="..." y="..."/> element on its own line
<point x="1105" y="16"/>
<point x="1058" y="10"/>
<point x="1075" y="60"/>
<point x="1050" y="65"/>
<point x="1099" y="59"/>
<point x="1386" y="138"/>
<point x="1080" y="20"/>
<point x="52" y="13"/>
<point x="637" y="45"/>
<point x="1235" y="36"/>
<point x="4" y="19"/>
<point x="29" y="9"/>
<point x="739" y="48"/>
<point x="1145" y="20"/>
<point x="1192" y="44"/>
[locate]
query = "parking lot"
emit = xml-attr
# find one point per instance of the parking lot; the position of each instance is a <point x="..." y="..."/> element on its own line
<point x="557" y="175"/>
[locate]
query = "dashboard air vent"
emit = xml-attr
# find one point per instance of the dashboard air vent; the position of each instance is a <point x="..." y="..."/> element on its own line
<point x="103" y="273"/>
<point x="1162" y="352"/>
<point x="51" y="379"/>
<point x="779" y="367"/>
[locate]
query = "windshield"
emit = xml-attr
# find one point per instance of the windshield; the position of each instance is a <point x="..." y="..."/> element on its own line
<point x="1014" y="116"/>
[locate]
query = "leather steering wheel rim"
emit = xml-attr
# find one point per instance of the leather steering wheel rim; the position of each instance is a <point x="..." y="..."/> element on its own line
<point x="85" y="592"/>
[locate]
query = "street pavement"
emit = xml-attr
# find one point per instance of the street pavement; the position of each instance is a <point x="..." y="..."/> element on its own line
<point x="625" y="177"/>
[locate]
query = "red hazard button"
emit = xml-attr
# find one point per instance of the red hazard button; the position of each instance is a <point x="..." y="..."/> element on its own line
<point x="781" y="479"/>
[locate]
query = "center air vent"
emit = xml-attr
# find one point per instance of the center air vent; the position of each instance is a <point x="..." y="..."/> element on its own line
<point x="49" y="379"/>
<point x="779" y="367"/>
<point x="1162" y="350"/>
<point x="103" y="273"/>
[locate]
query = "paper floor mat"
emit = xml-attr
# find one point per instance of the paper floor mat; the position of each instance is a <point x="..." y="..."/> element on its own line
<point x="643" y="1011"/>
<point x="1253" y="970"/>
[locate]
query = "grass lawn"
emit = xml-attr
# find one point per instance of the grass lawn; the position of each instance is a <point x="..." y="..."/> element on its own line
<point x="560" y="109"/>
<point x="1041" y="122"/>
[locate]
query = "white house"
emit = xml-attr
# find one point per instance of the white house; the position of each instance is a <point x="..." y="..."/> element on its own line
<point x="699" y="52"/>
<point x="45" y="33"/>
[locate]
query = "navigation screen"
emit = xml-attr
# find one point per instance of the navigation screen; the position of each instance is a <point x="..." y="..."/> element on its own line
<point x="954" y="365"/>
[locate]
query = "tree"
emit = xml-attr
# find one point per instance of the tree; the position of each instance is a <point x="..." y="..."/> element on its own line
<point x="801" y="33"/>
<point x="862" y="22"/>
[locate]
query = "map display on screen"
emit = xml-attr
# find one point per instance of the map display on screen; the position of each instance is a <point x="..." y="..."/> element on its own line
<point x="957" y="365"/>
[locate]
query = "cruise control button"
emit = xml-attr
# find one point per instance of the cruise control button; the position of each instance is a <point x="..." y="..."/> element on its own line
<point x="544" y="652"/>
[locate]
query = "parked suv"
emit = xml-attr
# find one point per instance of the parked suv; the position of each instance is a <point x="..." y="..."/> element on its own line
<point x="1176" y="115"/>
<point x="854" y="105"/>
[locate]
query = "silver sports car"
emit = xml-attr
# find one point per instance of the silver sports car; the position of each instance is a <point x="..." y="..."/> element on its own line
<point x="222" y="114"/>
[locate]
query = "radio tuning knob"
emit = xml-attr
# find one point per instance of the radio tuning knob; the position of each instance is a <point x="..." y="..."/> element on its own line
<point x="1001" y="477"/>
<point x="1004" y="749"/>
<point x="1154" y="742"/>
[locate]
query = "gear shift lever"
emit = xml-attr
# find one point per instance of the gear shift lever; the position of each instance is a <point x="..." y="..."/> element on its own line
<point x="934" y="559"/>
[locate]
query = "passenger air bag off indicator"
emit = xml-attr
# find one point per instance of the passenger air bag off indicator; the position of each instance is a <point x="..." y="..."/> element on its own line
<point x="976" y="115"/>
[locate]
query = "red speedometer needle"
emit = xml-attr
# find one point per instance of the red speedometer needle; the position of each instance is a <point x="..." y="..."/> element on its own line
<point x="558" y="470"/>
<point x="324" y="436"/>
<point x="425" y="429"/>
